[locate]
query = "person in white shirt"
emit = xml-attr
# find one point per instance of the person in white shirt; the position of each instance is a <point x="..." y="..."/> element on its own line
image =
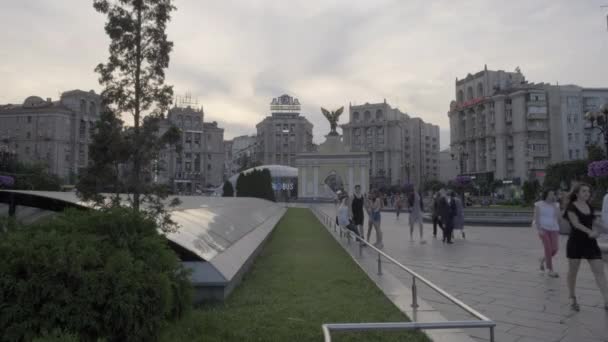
<point x="546" y="221"/>
<point x="605" y="212"/>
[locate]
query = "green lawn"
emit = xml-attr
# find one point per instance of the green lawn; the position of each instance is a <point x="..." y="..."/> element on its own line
<point x="302" y="279"/>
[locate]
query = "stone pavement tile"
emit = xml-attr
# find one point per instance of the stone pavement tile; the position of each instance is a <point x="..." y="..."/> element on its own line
<point x="539" y="334"/>
<point x="536" y="316"/>
<point x="499" y="336"/>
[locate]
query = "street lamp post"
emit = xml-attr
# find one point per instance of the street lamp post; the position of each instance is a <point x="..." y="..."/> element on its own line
<point x="599" y="120"/>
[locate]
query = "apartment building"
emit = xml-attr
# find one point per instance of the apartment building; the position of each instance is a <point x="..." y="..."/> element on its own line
<point x="402" y="149"/>
<point x="284" y="133"/>
<point x="52" y="133"/>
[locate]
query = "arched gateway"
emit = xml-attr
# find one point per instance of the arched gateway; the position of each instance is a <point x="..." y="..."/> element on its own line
<point x="333" y="167"/>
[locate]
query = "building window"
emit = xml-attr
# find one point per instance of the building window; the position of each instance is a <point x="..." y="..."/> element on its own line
<point x="83" y="106"/>
<point x="576" y="137"/>
<point x="570" y="154"/>
<point x="28" y="135"/>
<point x="93" y="108"/>
<point x="208" y="156"/>
<point x="188" y="167"/>
<point x="479" y="90"/>
<point x="29" y="119"/>
<point x="188" y="156"/>
<point x="577" y="154"/>
<point x="367" y="116"/>
<point x="569" y="137"/>
<point x="82" y="130"/>
<point x="356" y="117"/>
<point x="27" y="150"/>
<point x="208" y="167"/>
<point x="470" y="93"/>
<point x="379" y="115"/>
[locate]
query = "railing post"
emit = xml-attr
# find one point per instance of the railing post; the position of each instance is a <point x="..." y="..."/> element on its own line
<point x="414" y="294"/>
<point x="491" y="334"/>
<point x="379" y="264"/>
<point x="348" y="237"/>
<point x="360" y="248"/>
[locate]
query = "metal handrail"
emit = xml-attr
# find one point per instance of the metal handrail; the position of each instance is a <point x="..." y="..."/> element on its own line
<point x="484" y="322"/>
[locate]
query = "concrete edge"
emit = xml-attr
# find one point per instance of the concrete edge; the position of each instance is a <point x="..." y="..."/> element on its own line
<point x="399" y="294"/>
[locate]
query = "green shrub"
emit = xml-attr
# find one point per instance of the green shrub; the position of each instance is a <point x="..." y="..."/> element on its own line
<point x="100" y="274"/>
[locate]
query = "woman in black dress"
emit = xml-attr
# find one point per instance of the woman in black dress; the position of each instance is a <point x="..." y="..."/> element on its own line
<point x="582" y="243"/>
<point x="356" y="210"/>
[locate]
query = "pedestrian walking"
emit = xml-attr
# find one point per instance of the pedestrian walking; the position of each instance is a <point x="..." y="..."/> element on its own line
<point x="357" y="202"/>
<point x="447" y="210"/>
<point x="582" y="243"/>
<point x="416" y="207"/>
<point x="435" y="214"/>
<point x="546" y="221"/>
<point x="368" y="208"/>
<point x="376" y="206"/>
<point x="397" y="204"/>
<point x="458" y="215"/>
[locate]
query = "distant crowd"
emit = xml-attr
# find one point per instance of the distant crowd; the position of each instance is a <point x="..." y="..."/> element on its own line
<point x="447" y="212"/>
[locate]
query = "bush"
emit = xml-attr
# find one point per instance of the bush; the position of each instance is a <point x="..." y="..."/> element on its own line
<point x="99" y="274"/>
<point x="227" y="190"/>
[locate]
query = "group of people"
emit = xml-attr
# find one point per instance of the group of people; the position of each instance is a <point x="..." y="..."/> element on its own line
<point x="350" y="213"/>
<point x="573" y="211"/>
<point x="447" y="214"/>
<point x="576" y="211"/>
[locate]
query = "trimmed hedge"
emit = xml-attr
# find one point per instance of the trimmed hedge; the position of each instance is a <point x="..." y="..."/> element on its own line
<point x="96" y="274"/>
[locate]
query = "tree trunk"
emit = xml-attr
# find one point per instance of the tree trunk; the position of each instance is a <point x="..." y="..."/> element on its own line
<point x="136" y="160"/>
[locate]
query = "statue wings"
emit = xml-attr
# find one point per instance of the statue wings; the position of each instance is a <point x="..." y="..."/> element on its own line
<point x="332" y="116"/>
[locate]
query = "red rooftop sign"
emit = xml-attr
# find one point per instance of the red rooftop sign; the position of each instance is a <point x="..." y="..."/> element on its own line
<point x="470" y="103"/>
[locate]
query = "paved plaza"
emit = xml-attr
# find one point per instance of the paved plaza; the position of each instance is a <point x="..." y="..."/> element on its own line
<point x="496" y="271"/>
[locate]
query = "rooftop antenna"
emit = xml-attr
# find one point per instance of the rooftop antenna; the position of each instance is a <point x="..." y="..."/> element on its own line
<point x="186" y="100"/>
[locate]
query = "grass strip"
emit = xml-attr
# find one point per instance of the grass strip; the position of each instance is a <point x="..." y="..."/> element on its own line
<point x="300" y="280"/>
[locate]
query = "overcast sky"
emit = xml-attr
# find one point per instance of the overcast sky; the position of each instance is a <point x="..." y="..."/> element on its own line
<point x="235" y="56"/>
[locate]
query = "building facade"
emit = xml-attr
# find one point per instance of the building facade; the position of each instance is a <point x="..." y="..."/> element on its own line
<point x="402" y="149"/>
<point x="500" y="124"/>
<point x="448" y="166"/>
<point x="244" y="152"/>
<point x="283" y="134"/>
<point x="52" y="133"/>
<point x="198" y="163"/>
<point x="228" y="169"/>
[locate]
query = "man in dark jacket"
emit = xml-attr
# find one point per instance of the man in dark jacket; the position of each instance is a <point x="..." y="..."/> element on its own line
<point x="435" y="214"/>
<point x="446" y="211"/>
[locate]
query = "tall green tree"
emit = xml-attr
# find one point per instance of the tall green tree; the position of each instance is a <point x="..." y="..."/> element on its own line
<point x="134" y="78"/>
<point x="595" y="152"/>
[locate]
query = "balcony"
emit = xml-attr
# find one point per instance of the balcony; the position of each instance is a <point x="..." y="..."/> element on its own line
<point x="538" y="128"/>
<point x="537" y="116"/>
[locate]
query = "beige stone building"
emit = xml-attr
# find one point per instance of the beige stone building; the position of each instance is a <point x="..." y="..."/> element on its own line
<point x="505" y="128"/>
<point x="200" y="163"/>
<point x="53" y="133"/>
<point x="402" y="149"/>
<point x="283" y="134"/>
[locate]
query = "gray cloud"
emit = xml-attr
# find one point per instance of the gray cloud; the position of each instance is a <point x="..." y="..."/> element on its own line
<point x="235" y="55"/>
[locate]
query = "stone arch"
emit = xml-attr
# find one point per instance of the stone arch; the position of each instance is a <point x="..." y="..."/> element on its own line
<point x="367" y="116"/>
<point x="470" y="93"/>
<point x="334" y="181"/>
<point x="479" y="89"/>
<point x="460" y="97"/>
